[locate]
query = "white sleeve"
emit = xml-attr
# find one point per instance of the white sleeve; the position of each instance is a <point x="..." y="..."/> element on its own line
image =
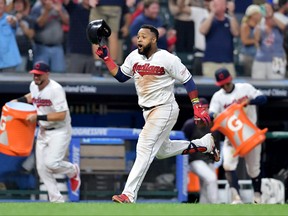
<point x="215" y="104"/>
<point x="126" y="67"/>
<point x="178" y="70"/>
<point x="252" y="92"/>
<point x="59" y="100"/>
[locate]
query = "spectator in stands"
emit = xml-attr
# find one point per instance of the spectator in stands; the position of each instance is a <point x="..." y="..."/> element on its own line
<point x="111" y="12"/>
<point x="248" y="42"/>
<point x="123" y="35"/>
<point x="49" y="16"/>
<point x="270" y="59"/>
<point x="171" y="40"/>
<point x="202" y="164"/>
<point x="241" y="7"/>
<point x="138" y="9"/>
<point x="219" y="30"/>
<point x="24" y="32"/>
<point x="281" y="14"/>
<point x="150" y="15"/>
<point x="79" y="51"/>
<point x="9" y="53"/>
<point x="198" y="14"/>
<point x="183" y="24"/>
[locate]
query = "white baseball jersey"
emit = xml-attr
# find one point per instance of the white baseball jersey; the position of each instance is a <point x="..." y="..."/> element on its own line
<point x="154" y="80"/>
<point x="163" y="69"/>
<point x="242" y="91"/>
<point x="219" y="102"/>
<point x="51" y="145"/>
<point x="50" y="99"/>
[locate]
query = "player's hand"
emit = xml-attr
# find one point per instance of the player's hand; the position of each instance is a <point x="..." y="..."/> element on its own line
<point x="200" y="113"/>
<point x="103" y="52"/>
<point x="31" y="117"/>
<point x="245" y="102"/>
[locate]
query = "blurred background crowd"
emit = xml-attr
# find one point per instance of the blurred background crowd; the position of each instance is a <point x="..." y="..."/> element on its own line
<point x="249" y="37"/>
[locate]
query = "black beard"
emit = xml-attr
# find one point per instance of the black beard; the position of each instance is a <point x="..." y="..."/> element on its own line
<point x="146" y="50"/>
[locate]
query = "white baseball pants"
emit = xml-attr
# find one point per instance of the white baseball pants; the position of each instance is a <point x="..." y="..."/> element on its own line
<point x="51" y="147"/>
<point x="154" y="142"/>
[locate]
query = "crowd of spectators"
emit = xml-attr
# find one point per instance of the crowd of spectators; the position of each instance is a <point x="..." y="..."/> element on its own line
<point x="245" y="36"/>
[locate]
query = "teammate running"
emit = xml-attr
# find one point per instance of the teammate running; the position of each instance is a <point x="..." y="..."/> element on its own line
<point x="237" y="93"/>
<point x="154" y="72"/>
<point x="54" y="135"/>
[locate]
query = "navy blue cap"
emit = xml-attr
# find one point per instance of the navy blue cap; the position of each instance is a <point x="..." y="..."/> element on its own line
<point x="40" y="67"/>
<point x="222" y="76"/>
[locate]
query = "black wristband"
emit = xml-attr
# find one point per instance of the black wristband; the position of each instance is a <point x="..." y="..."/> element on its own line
<point x="42" y="117"/>
<point x="22" y="99"/>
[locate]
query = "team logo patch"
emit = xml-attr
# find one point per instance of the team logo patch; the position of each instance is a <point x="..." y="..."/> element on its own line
<point x="148" y="69"/>
<point x="41" y="102"/>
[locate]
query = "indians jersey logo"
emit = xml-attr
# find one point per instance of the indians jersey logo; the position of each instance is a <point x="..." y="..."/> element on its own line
<point x="41" y="102"/>
<point x="148" y="69"/>
<point x="239" y="101"/>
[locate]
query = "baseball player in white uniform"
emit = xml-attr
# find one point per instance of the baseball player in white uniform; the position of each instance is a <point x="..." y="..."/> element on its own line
<point x="237" y="93"/>
<point x="154" y="72"/>
<point x="54" y="135"/>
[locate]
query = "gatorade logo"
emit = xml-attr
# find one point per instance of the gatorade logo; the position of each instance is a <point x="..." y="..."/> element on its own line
<point x="234" y="124"/>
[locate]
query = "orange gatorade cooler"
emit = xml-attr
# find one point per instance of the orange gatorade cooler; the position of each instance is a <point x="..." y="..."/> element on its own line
<point x="16" y="134"/>
<point x="241" y="132"/>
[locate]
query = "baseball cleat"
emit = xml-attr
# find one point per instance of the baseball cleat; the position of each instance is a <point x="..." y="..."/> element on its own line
<point x="236" y="202"/>
<point x="257" y="198"/>
<point x="75" y="181"/>
<point x="205" y="144"/>
<point x="122" y="198"/>
<point x="209" y="141"/>
<point x="235" y="197"/>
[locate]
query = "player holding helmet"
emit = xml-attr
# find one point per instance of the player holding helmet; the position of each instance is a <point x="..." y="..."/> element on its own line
<point x="154" y="72"/>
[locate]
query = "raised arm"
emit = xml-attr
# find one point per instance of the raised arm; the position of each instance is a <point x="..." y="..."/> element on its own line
<point x="114" y="69"/>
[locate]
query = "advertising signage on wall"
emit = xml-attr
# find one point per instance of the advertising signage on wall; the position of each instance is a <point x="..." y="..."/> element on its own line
<point x="89" y="85"/>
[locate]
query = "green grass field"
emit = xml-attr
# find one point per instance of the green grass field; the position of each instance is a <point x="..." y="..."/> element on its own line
<point x="94" y="208"/>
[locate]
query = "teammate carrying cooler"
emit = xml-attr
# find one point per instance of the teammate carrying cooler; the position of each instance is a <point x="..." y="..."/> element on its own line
<point x="238" y="93"/>
<point x="54" y="134"/>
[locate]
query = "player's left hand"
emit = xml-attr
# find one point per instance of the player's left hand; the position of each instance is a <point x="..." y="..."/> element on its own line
<point x="200" y="113"/>
<point x="245" y="102"/>
<point x="31" y="117"/>
<point x="103" y="52"/>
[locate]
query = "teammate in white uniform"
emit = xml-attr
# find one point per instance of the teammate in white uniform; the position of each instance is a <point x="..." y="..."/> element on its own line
<point x="54" y="135"/>
<point x="237" y="93"/>
<point x="154" y="72"/>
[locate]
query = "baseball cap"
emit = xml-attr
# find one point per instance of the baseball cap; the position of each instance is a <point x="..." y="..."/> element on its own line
<point x="40" y="67"/>
<point x="252" y="9"/>
<point x="222" y="76"/>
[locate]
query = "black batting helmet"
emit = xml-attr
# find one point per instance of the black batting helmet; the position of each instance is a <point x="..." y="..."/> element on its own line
<point x="97" y="30"/>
